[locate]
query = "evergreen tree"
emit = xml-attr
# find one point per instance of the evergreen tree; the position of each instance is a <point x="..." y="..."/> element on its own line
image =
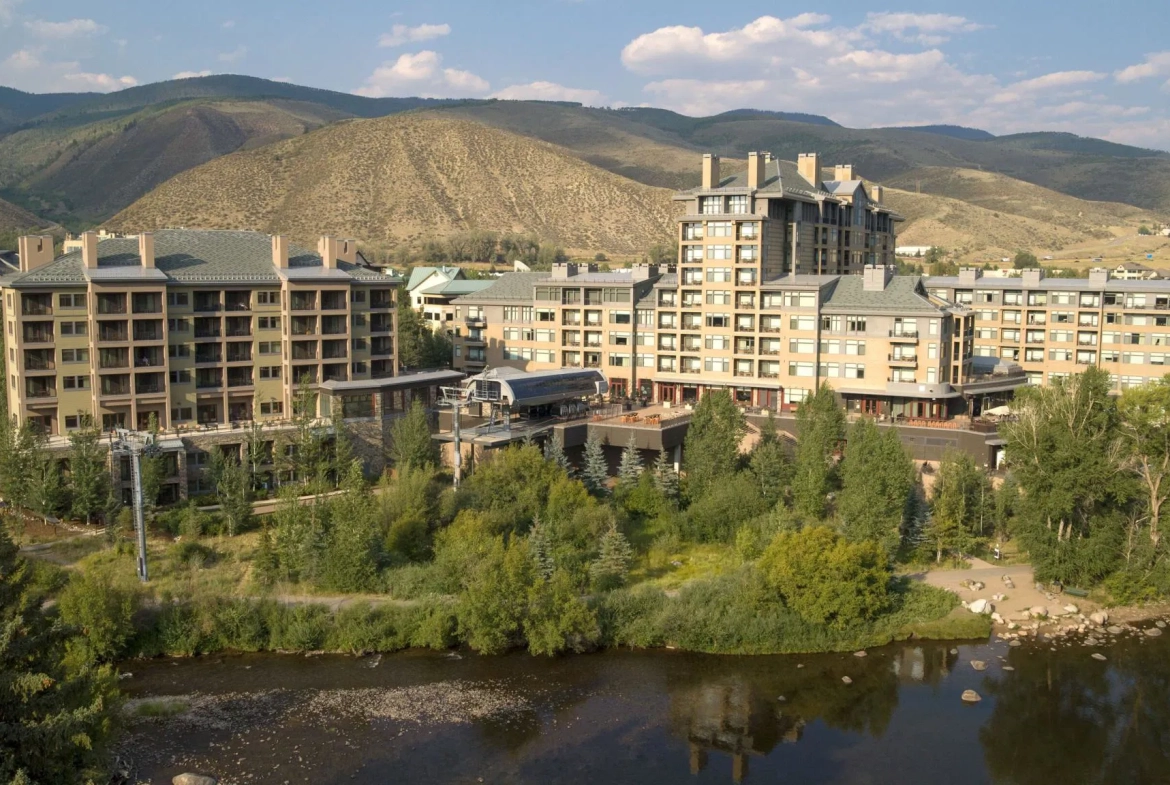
<point x="613" y="560"/>
<point x="233" y="487"/>
<point x="769" y="464"/>
<point x="540" y="548"/>
<point x="46" y="492"/>
<point x="342" y="456"/>
<point x="711" y="450"/>
<point x="257" y="455"/>
<point x="352" y="558"/>
<point x="410" y="440"/>
<point x="630" y="468"/>
<point x="265" y="564"/>
<point x="596" y="472"/>
<point x="554" y="452"/>
<point x="418" y="345"/>
<point x="89" y="477"/>
<point x="53" y="722"/>
<point x="666" y="478"/>
<point x="557" y="619"/>
<point x="962" y="500"/>
<point x="820" y="428"/>
<point x="877" y="477"/>
<point x="20" y="457"/>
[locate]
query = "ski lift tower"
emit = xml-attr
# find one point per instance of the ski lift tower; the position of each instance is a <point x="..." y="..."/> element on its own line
<point x="136" y="444"/>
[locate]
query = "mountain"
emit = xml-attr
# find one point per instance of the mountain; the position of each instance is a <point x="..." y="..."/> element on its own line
<point x="15" y="219"/>
<point x="17" y="106"/>
<point x="955" y="131"/>
<point x="409" y="178"/>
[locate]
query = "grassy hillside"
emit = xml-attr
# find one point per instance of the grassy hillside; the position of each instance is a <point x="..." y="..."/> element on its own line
<point x="15" y="219"/>
<point x="408" y="178"/>
<point x="17" y="106"/>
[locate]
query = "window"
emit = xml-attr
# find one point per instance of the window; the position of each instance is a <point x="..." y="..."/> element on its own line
<point x="718" y="229"/>
<point x="800" y="369"/>
<point x="178" y="299"/>
<point x="802" y="345"/>
<point x="75" y="382"/>
<point x="718" y="320"/>
<point x="1060" y="355"/>
<point x="619" y="339"/>
<point x="72" y="422"/>
<point x="854" y="371"/>
<point x="619" y="360"/>
<point x="75" y="355"/>
<point x="71" y="300"/>
<point x="719" y="252"/>
<point x="619" y="317"/>
<point x="644" y="361"/>
<point x="717" y="342"/>
<point x="692" y="253"/>
<point x="358" y="366"/>
<point x="181" y="413"/>
<point x="800" y="299"/>
<point x="73" y="328"/>
<point x="692" y="231"/>
<point x="268" y="322"/>
<point x="178" y="325"/>
<point x="181" y="377"/>
<point x="718" y="297"/>
<point x="745" y="276"/>
<point x="856" y="324"/>
<point x="271" y="407"/>
<point x="357" y="296"/>
<point x="719" y="275"/>
<point x="177" y="350"/>
<point x="717" y="364"/>
<point x="268" y="347"/>
<point x="803" y="322"/>
<point x="270" y="372"/>
<point x="273" y="298"/>
<point x="749" y="253"/>
<point x="737" y="205"/>
<point x="1013" y="298"/>
<point x="711" y="205"/>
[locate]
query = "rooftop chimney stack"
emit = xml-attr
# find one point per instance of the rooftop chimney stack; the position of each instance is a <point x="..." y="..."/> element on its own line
<point x="969" y="275"/>
<point x="843" y="172"/>
<point x="89" y="250"/>
<point x="710" y="171"/>
<point x="280" y="251"/>
<point x="327" y="248"/>
<point x="35" y="251"/>
<point x="878" y="193"/>
<point x="1032" y="277"/>
<point x="347" y="251"/>
<point x="1098" y="276"/>
<point x="875" y="277"/>
<point x="809" y="166"/>
<point x="756" y="173"/>
<point x="146" y="249"/>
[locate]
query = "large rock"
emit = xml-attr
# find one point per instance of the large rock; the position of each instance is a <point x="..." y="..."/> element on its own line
<point x="1100" y="618"/>
<point x="1098" y="656"/>
<point x="1038" y="612"/>
<point x="980" y="606"/>
<point x="970" y="696"/>
<point x="979" y="665"/>
<point x="1071" y="609"/>
<point x="194" y="779"/>
<point x="1153" y="632"/>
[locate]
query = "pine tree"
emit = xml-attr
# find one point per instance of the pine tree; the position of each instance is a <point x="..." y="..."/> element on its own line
<point x="46" y="491"/>
<point x="233" y="486"/>
<point x="596" y="473"/>
<point x="88" y="475"/>
<point x="711" y="450"/>
<point x="665" y="478"/>
<point x="820" y="426"/>
<point x="630" y="468"/>
<point x="613" y="560"/>
<point x="540" y="548"/>
<point x="265" y="564"/>
<point x="410" y="440"/>
<point x="554" y="452"/>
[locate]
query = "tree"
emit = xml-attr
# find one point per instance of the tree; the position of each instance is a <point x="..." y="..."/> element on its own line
<point x="613" y="560"/>
<point x="301" y="454"/>
<point x="46" y="493"/>
<point x="769" y="464"/>
<point x="152" y="469"/>
<point x="233" y="487"/>
<point x="1144" y="230"/>
<point x="877" y="477"/>
<point x="103" y="614"/>
<point x="825" y="578"/>
<point x="53" y="722"/>
<point x="265" y="564"/>
<point x="257" y="452"/>
<point x="494" y="601"/>
<point x="666" y="478"/>
<point x="557" y="619"/>
<point x="820" y="425"/>
<point x="540" y="548"/>
<point x="554" y="452"/>
<point x="1025" y="260"/>
<point x="410" y="439"/>
<point x="89" y="478"/>
<point x="630" y="468"/>
<point x="961" y="501"/>
<point x="1145" y="438"/>
<point x="595" y="474"/>
<point x="418" y="345"/>
<point x="351" y="561"/>
<point x="711" y="449"/>
<point x="21" y="454"/>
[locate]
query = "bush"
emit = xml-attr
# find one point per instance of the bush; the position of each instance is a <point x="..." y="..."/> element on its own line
<point x="193" y="554"/>
<point x="717" y="514"/>
<point x="102" y="611"/>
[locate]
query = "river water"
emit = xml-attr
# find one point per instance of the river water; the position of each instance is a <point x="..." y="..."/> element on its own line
<point x="1050" y="714"/>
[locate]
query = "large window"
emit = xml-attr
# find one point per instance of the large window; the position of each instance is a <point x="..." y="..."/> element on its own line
<point x="737" y="205"/>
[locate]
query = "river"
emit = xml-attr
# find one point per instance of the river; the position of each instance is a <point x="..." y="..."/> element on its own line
<point x="1050" y="714"/>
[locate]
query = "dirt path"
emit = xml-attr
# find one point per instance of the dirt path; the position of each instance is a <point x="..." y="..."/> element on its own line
<point x="1016" y="601"/>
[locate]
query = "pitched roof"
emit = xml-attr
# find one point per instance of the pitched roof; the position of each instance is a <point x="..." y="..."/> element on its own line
<point x="457" y="287"/>
<point x="509" y="287"/>
<point x="192" y="256"/>
<point x="903" y="294"/>
<point x="781" y="178"/>
<point x="420" y="274"/>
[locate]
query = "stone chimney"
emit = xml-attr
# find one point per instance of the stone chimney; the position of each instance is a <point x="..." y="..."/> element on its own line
<point x="809" y="166"/>
<point x="1032" y="277"/>
<point x="35" y="250"/>
<point x="756" y="173"/>
<point x="146" y="249"/>
<point x="563" y="270"/>
<point x="875" y="277"/>
<point x="843" y="172"/>
<point x="969" y="274"/>
<point x="1098" y="276"/>
<point x="89" y="250"/>
<point x="643" y="272"/>
<point x="280" y="251"/>
<point x="327" y="248"/>
<point x="877" y="193"/>
<point x="710" y="171"/>
<point x="347" y="251"/>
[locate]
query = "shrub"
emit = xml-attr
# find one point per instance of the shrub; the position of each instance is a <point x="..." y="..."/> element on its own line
<point x="193" y="554"/>
<point x="102" y="611"/>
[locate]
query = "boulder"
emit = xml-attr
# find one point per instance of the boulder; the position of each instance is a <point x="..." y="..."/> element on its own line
<point x="1113" y="629"/>
<point x="980" y="606"/>
<point x="1008" y="668"/>
<point x="1098" y="656"/>
<point x="846" y="680"/>
<point x="995" y="617"/>
<point x="1015" y="643"/>
<point x="1160" y="624"/>
<point x="1100" y="618"/>
<point x="1071" y="609"/>
<point x="1037" y="611"/>
<point x="976" y="585"/>
<point x="1153" y="632"/>
<point x="193" y="779"/>
<point x="1009" y="585"/>
<point x="859" y="653"/>
<point x="998" y="597"/>
<point x="970" y="696"/>
<point x="979" y="665"/>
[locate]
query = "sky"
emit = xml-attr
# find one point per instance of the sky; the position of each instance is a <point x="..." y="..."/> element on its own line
<point x="1090" y="68"/>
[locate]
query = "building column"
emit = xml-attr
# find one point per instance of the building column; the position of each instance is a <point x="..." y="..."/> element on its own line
<point x="184" y="484"/>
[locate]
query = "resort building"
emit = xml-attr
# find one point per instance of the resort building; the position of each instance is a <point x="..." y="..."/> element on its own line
<point x="431" y="290"/>
<point x="1056" y="327"/>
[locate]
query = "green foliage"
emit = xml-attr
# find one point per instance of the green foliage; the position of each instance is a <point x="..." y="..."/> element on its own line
<point x="961" y="504"/>
<point x="825" y="578"/>
<point x="354" y="553"/>
<point x="557" y="620"/>
<point x="595" y="473"/>
<point x="715" y="516"/>
<point x="513" y="486"/>
<point x="1144" y="230"/>
<point x="630" y="468"/>
<point x="554" y="452"/>
<point x="1025" y="260"/>
<point x="410" y="439"/>
<point x="877" y="477"/>
<point x="47" y="495"/>
<point x="612" y="565"/>
<point x="770" y="464"/>
<point x="540" y="548"/>
<point x="820" y="425"/>
<point x="418" y="345"/>
<point x="493" y="603"/>
<point x="89" y="479"/>
<point x="233" y="488"/>
<point x="102" y="612"/>
<point x="711" y="450"/>
<point x="54" y="722"/>
<point x="265" y="564"/>
<point x="666" y="478"/>
<point x="409" y="505"/>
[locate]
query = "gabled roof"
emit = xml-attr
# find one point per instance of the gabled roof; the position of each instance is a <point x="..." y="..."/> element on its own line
<point x="842" y="186"/>
<point x="420" y="274"/>
<point x="509" y="287"/>
<point x="903" y="294"/>
<point x="192" y="256"/>
<point x="456" y="288"/>
<point x="781" y="178"/>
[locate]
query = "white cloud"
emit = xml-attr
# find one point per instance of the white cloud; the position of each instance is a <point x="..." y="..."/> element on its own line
<point x="22" y="60"/>
<point x="1156" y="64"/>
<point x="285" y="79"/>
<point x="233" y="56"/>
<point x="191" y="74"/>
<point x="73" y="28"/>
<point x="925" y="29"/>
<point x="7" y="9"/>
<point x="102" y="83"/>
<point x="1048" y="83"/>
<point x="422" y="75"/>
<point x="404" y="34"/>
<point x="550" y="91"/>
<point x="27" y="69"/>
<point x="228" y="24"/>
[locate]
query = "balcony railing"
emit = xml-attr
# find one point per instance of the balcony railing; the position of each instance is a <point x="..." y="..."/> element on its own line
<point x="207" y="331"/>
<point x="41" y="392"/>
<point x="904" y="335"/>
<point x="39" y="364"/>
<point x="38" y="336"/>
<point x="148" y="334"/>
<point x="149" y="388"/>
<point x="113" y="334"/>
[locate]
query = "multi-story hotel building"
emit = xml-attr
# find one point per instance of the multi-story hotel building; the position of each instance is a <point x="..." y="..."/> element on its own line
<point x="1056" y="327"/>
<point x="188" y="328"/>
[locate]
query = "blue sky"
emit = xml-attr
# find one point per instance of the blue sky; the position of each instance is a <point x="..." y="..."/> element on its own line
<point x="1090" y="68"/>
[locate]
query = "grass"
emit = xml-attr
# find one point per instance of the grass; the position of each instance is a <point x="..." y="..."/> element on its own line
<point x="151" y="708"/>
<point x="677" y="567"/>
<point x="959" y="624"/>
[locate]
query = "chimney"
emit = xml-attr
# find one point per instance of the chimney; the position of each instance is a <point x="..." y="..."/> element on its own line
<point x="969" y="274"/>
<point x="809" y="166"/>
<point x="35" y="251"/>
<point x="643" y="272"/>
<point x="89" y="249"/>
<point x="710" y="171"/>
<point x="843" y="172"/>
<point x="347" y="251"/>
<point x="1032" y="277"/>
<point x="877" y="193"/>
<point x="756" y="173"/>
<point x="146" y="249"/>
<point x="1098" y="276"/>
<point x="280" y="251"/>
<point x="563" y="270"/>
<point x="327" y="248"/>
<point x="875" y="277"/>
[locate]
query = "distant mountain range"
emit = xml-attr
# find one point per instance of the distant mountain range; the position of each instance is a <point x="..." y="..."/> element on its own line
<point x="78" y="159"/>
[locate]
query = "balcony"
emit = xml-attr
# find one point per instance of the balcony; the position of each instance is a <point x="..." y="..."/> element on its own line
<point x="384" y="299"/>
<point x="36" y="305"/>
<point x="239" y="301"/>
<point x="207" y="302"/>
<point x="239" y="377"/>
<point x="333" y="301"/>
<point x="39" y="360"/>
<point x="303" y="301"/>
<point x="208" y="378"/>
<point x="148" y="331"/>
<point x="149" y="384"/>
<point x="239" y="352"/>
<point x="239" y="326"/>
<point x="304" y="325"/>
<point x="115" y="385"/>
<point x="148" y="357"/>
<point x="691" y="369"/>
<point x="111" y="304"/>
<point x="147" y="303"/>
<point x="113" y="358"/>
<point x="38" y="332"/>
<point x="41" y="388"/>
<point x="113" y="332"/>
<point x="333" y="325"/>
<point x="385" y="347"/>
<point x="769" y="328"/>
<point x="207" y="328"/>
<point x="381" y="323"/>
<point x="383" y="369"/>
<point x="304" y="350"/>
<point x="904" y="335"/>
